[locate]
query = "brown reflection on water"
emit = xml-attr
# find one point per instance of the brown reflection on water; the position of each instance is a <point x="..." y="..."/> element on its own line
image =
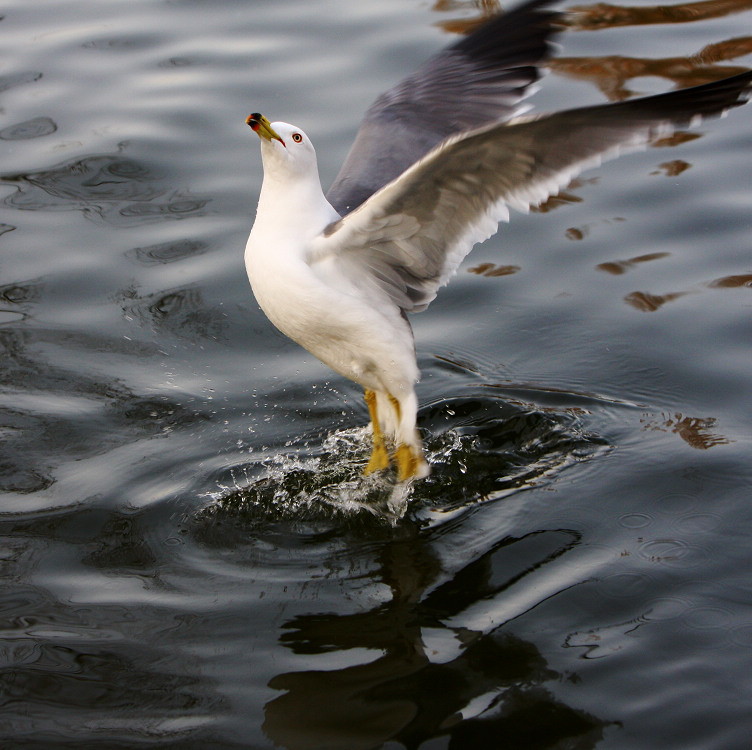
<point x="732" y="282"/>
<point x="672" y="168"/>
<point x="486" y="9"/>
<point x="697" y="432"/>
<point x="618" y="267"/>
<point x="675" y="139"/>
<point x="612" y="72"/>
<point x="646" y="302"/>
<point x="491" y="269"/>
<point x="564" y="198"/>
<point x="579" y="233"/>
<point x="606" y="16"/>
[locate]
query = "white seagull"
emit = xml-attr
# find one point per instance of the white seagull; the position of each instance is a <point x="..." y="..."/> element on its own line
<point x="437" y="162"/>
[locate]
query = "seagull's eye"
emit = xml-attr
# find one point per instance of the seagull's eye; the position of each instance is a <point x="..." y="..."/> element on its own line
<point x="297" y="137"/>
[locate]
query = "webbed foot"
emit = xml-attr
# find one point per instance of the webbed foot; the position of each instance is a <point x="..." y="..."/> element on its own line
<point x="379" y="458"/>
<point x="410" y="463"/>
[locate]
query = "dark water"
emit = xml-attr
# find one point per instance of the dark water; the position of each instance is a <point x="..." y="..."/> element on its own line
<point x="189" y="555"/>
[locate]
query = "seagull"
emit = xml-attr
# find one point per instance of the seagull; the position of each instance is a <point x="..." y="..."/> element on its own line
<point x="437" y="163"/>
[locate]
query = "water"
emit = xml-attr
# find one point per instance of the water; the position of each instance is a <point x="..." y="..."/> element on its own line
<point x="189" y="555"/>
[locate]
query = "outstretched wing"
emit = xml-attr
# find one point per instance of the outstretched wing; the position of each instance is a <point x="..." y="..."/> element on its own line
<point x="411" y="235"/>
<point x="479" y="80"/>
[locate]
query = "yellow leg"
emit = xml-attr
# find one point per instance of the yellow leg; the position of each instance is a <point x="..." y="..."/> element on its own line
<point x="407" y="462"/>
<point x="379" y="457"/>
<point x="410" y="463"/>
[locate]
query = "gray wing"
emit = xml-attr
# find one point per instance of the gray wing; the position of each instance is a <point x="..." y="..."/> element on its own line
<point x="409" y="237"/>
<point x="479" y="80"/>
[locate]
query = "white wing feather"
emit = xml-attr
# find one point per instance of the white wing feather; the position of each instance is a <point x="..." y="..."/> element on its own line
<point x="410" y="236"/>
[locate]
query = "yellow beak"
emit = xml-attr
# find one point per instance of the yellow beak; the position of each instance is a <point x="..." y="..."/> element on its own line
<point x="262" y="127"/>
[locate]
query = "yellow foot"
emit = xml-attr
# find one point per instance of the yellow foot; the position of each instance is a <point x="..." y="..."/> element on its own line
<point x="409" y="463"/>
<point x="379" y="458"/>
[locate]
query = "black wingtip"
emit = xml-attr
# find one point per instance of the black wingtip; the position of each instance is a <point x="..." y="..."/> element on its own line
<point x="522" y="35"/>
<point x="706" y="100"/>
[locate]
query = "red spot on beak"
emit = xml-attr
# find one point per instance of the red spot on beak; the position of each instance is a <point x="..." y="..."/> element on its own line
<point x="260" y="125"/>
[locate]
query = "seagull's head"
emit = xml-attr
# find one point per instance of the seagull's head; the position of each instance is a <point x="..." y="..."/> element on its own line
<point x="283" y="145"/>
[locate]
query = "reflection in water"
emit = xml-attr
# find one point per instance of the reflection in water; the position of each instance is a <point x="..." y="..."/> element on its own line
<point x="732" y="282"/>
<point x="412" y="664"/>
<point x="579" y="233"/>
<point x="675" y="139"/>
<point x="610" y="74"/>
<point x="696" y="432"/>
<point x="606" y="16"/>
<point x="563" y="197"/>
<point x="618" y="267"/>
<point x="34" y="128"/>
<point x="177" y="205"/>
<point x="503" y="447"/>
<point x="18" y="79"/>
<point x="646" y="302"/>
<point x="84" y="676"/>
<point x="182" y="62"/>
<point x="604" y="641"/>
<point x="95" y="413"/>
<point x="491" y="269"/>
<point x="63" y="675"/>
<point x="182" y="312"/>
<point x="121" y="44"/>
<point x="480" y="689"/>
<point x="122" y="543"/>
<point x="108" y="187"/>
<point x="16" y="300"/>
<point x="485" y="8"/>
<point x="168" y="252"/>
<point x="22" y="293"/>
<point x="672" y="168"/>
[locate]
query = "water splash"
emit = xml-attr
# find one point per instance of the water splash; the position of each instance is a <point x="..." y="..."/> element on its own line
<point x="479" y="449"/>
<point x="317" y="488"/>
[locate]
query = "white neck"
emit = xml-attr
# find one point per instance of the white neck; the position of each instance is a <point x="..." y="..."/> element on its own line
<point x="292" y="206"/>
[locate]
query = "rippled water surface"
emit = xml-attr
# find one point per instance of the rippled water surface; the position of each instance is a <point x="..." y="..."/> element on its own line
<point x="190" y="557"/>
